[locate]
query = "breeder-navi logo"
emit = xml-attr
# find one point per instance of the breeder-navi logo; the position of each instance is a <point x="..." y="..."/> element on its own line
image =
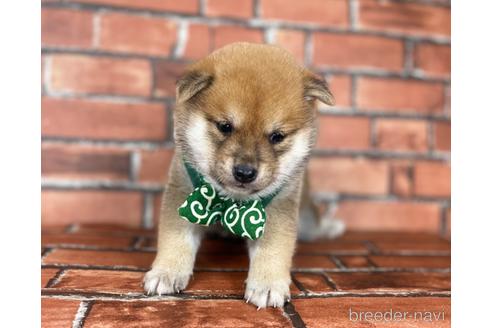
<point x="390" y="315"/>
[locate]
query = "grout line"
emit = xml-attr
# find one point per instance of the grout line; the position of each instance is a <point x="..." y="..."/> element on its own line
<point x="375" y="294"/>
<point x="96" y="29"/>
<point x="46" y="251"/>
<point x="135" y="163"/>
<point x="137" y="243"/>
<point x="408" y="57"/>
<point x="443" y="222"/>
<point x="181" y="40"/>
<point x="270" y="36"/>
<point x="89" y="297"/>
<point x="290" y="312"/>
<point x="430" y="137"/>
<point x="373" y="249"/>
<point x="329" y="281"/>
<point x="373" y="136"/>
<point x="202" y="7"/>
<point x="297" y="283"/>
<point x="71" y="228"/>
<point x="378" y="154"/>
<point x="148" y="211"/>
<point x="338" y="262"/>
<point x="256" y="9"/>
<point x="354" y="85"/>
<point x="82" y="313"/>
<point x="294" y="270"/>
<point x="371" y="262"/>
<point x="353" y="13"/>
<point x="99" y="184"/>
<point x="56" y="279"/>
<point x="308" y="49"/>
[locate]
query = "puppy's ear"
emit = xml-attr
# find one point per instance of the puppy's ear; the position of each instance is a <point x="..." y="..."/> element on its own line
<point x="191" y="84"/>
<point x="315" y="88"/>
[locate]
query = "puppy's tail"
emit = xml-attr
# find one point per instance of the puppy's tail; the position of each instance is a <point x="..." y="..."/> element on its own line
<point x="314" y="225"/>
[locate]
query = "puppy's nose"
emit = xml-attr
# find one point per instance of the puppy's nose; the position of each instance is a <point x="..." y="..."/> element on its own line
<point x="244" y="173"/>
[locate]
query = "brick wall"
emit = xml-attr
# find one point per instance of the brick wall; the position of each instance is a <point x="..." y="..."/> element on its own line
<point x="109" y="67"/>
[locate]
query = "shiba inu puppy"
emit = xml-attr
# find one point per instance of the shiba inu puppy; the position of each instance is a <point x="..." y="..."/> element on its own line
<point x="245" y="122"/>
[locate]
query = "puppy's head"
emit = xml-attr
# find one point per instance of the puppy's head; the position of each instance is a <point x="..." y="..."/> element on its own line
<point x="245" y="118"/>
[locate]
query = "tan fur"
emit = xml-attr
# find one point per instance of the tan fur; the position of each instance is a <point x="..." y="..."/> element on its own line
<point x="259" y="89"/>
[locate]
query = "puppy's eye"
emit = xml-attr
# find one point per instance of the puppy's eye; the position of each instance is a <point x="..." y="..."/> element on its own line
<point x="225" y="127"/>
<point x="276" y="137"/>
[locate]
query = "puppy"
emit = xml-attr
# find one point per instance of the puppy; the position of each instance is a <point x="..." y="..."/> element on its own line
<point x="245" y="121"/>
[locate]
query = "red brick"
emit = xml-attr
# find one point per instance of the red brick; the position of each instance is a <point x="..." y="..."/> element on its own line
<point x="428" y="262"/>
<point x="227" y="8"/>
<point x="341" y="88"/>
<point x="149" y="36"/>
<point x="392" y="281"/>
<point x="198" y="44"/>
<point x="313" y="282"/>
<point x="335" y="311"/>
<point x="448" y="224"/>
<point x="432" y="179"/>
<point x="81" y="240"/>
<point x="330" y="246"/>
<point x="390" y="216"/>
<point x="347" y="175"/>
<point x="102" y="281"/>
<point x="224" y="35"/>
<point x="401" y="135"/>
<point x="442" y="136"/>
<point x="166" y="74"/>
<point x="184" y="6"/>
<point x="47" y="275"/>
<point x="58" y="313"/>
<point x="217" y="283"/>
<point x="105" y="229"/>
<point x="405" y="17"/>
<point x="374" y="236"/>
<point x="184" y="314"/>
<point x="135" y="260"/>
<point x="400" y="95"/>
<point x="225" y="260"/>
<point x="84" y="162"/>
<point x="433" y="59"/>
<point x="301" y="261"/>
<point x="154" y="165"/>
<point x="103" y="120"/>
<point x="405" y="246"/>
<point x="63" y="207"/>
<point x="66" y="28"/>
<point x="393" y="236"/>
<point x="357" y="51"/>
<point x="157" y="203"/>
<point x="330" y="13"/>
<point x="355" y="261"/>
<point x="343" y="132"/>
<point x="401" y="179"/>
<point x="100" y="75"/>
<point x="292" y="41"/>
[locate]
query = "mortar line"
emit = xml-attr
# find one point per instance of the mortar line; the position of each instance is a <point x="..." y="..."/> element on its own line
<point x="82" y="314"/>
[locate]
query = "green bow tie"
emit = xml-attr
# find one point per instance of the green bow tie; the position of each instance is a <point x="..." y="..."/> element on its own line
<point x="205" y="206"/>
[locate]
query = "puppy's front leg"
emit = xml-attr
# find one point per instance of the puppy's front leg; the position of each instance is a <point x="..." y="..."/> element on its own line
<point x="178" y="243"/>
<point x="270" y="261"/>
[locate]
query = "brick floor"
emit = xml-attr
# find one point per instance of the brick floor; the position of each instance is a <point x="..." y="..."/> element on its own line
<point x="91" y="277"/>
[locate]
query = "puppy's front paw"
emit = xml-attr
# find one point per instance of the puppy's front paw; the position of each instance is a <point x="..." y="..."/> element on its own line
<point x="161" y="282"/>
<point x="267" y="293"/>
